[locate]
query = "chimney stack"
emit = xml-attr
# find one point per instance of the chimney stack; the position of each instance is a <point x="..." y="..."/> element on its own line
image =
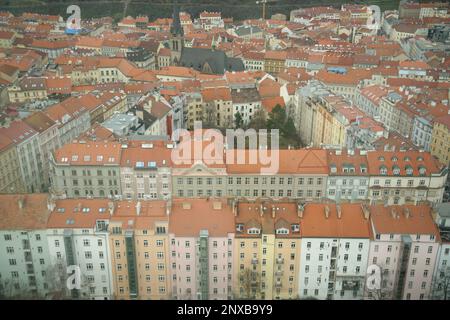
<point x="393" y="213"/>
<point x="168" y="207"/>
<point x="365" y="210"/>
<point x="138" y="208"/>
<point x="300" y="210"/>
<point x="21" y="202"/>
<point x="273" y="212"/>
<point x="407" y="213"/>
<point x="111" y="208"/>
<point x="327" y="212"/>
<point x="338" y="210"/>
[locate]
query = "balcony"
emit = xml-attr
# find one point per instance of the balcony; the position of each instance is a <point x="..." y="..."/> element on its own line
<point x="280" y="260"/>
<point x="278" y="284"/>
<point x="254" y="261"/>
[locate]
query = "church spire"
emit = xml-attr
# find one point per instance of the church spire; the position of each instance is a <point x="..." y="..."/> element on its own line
<point x="175" y="28"/>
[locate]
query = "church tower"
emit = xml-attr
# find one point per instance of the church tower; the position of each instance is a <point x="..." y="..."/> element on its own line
<point x="176" y="42"/>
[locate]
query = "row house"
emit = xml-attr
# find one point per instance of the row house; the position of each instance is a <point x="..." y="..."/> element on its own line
<point x="301" y="174"/>
<point x="26" y="142"/>
<point x="274" y="61"/>
<point x="77" y="235"/>
<point x="348" y="179"/>
<point x="25" y="262"/>
<point x="405" y="177"/>
<point x="72" y="116"/>
<point x="335" y="242"/>
<point x="87" y="169"/>
<point x="246" y="102"/>
<point x="440" y="289"/>
<point x="266" y="250"/>
<point x="140" y="256"/>
<point x="218" y="107"/>
<point x="201" y="252"/>
<point x="440" y="144"/>
<point x="404" y="249"/>
<point x="253" y="60"/>
<point x="48" y="137"/>
<point x="11" y="180"/>
<point x="145" y="170"/>
<point x="261" y="249"/>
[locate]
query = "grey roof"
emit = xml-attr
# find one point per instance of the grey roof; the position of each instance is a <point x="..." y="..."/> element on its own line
<point x="246" y="30"/>
<point x="443" y="209"/>
<point x="218" y="61"/>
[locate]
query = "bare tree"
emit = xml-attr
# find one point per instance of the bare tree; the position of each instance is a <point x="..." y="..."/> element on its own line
<point x="440" y="287"/>
<point x="383" y="291"/>
<point x="250" y="281"/>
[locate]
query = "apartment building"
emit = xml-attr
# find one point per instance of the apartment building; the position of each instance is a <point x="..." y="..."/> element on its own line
<point x="48" y="140"/>
<point x="440" y="146"/>
<point x="218" y="107"/>
<point x="145" y="170"/>
<point x="11" y="180"/>
<point x="274" y="61"/>
<point x="26" y="141"/>
<point x="440" y="289"/>
<point x="246" y="102"/>
<point x="405" y="247"/>
<point x="87" y="169"/>
<point x="77" y="234"/>
<point x="201" y="258"/>
<point x="301" y="174"/>
<point x="25" y="268"/>
<point x="139" y="242"/>
<point x="72" y="116"/>
<point x="266" y="250"/>
<point x="335" y="241"/>
<point x="348" y="179"/>
<point x="405" y="177"/>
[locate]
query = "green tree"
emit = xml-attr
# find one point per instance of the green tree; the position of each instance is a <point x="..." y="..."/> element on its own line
<point x="238" y="120"/>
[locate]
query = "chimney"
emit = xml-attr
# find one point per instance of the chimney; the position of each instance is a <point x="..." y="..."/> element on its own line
<point x="300" y="210"/>
<point x="365" y="210"/>
<point x="217" y="205"/>
<point x="21" y="202"/>
<point x="235" y="207"/>
<point x="168" y="207"/>
<point x="327" y="212"/>
<point x="111" y="208"/>
<point x="273" y="212"/>
<point x="186" y="205"/>
<point x="393" y="213"/>
<point x="407" y="213"/>
<point x="51" y="204"/>
<point x="138" y="208"/>
<point x="338" y="210"/>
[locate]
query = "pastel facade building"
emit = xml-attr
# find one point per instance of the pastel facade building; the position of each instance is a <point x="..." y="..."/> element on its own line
<point x="25" y="265"/>
<point x="405" y="177"/>
<point x="335" y="241"/>
<point x="201" y="259"/>
<point x="405" y="248"/>
<point x="87" y="169"/>
<point x="267" y="250"/>
<point x="77" y="234"/>
<point x="139" y="242"/>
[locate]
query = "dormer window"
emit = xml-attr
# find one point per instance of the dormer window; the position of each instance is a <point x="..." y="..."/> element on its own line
<point x="407" y="158"/>
<point x="383" y="170"/>
<point x="396" y="170"/>
<point x="239" y="227"/>
<point x="253" y="231"/>
<point x="87" y="158"/>
<point x="99" y="158"/>
<point x="419" y="158"/>
<point x="86" y="210"/>
<point x="75" y="158"/>
<point x="282" y="231"/>
<point x="422" y="170"/>
<point x="333" y="168"/>
<point x="409" y="170"/>
<point x="394" y="159"/>
<point x="381" y="158"/>
<point x="295" y="227"/>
